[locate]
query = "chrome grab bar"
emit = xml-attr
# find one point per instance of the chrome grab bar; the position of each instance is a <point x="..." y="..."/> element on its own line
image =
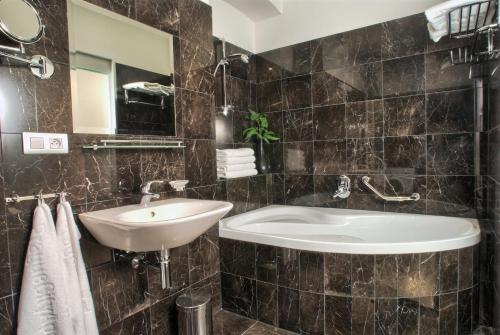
<point x="413" y="197"/>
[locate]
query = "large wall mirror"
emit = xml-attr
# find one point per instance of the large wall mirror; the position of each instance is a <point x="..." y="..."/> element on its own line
<point x="121" y="74"/>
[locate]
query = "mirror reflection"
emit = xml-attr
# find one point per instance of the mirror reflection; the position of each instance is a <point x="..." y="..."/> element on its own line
<point x="121" y="74"/>
<point x="20" y="21"/>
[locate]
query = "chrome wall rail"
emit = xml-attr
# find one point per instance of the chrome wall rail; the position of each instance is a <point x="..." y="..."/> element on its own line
<point x="135" y="144"/>
<point x="16" y="198"/>
<point x="413" y="197"/>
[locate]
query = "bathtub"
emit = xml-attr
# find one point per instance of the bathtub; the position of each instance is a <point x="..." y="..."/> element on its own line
<point x="350" y="231"/>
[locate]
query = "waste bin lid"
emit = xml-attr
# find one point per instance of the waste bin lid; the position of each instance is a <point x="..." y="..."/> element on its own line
<point x="193" y="300"/>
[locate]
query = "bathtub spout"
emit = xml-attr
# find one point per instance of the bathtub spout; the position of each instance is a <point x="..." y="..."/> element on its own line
<point x="343" y="188"/>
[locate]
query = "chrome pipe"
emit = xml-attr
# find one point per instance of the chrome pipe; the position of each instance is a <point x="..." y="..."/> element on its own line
<point x="166" y="281"/>
<point x="413" y="197"/>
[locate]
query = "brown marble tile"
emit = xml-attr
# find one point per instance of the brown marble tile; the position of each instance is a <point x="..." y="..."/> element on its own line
<point x="164" y="317"/>
<point x="337" y="274"/>
<point x="297" y="92"/>
<point x="404" y="37"/>
<point x="338" y="315"/>
<point x="448" y="272"/>
<point x="329" y="122"/>
<point x="227" y="323"/>
<point x="331" y="52"/>
<point x="404" y="76"/>
<point x="268" y="65"/>
<point x="198" y="115"/>
<point x="429" y="316"/>
<point x="386" y="316"/>
<point x="405" y="155"/>
<point x="365" y="155"/>
<point x="239" y="295"/>
<point x="330" y="157"/>
<point x="404" y="116"/>
<point x="288" y="309"/>
<point x="267" y="303"/>
<point x="288" y="267"/>
<point x="408" y="275"/>
<point x="364" y="82"/>
<point x="363" y="316"/>
<point x="386" y="276"/>
<point x="364" y="119"/>
<point x="450" y="154"/>
<point x="311" y="272"/>
<point x="450" y="195"/>
<point x="298" y="125"/>
<point x="161" y="14"/>
<point x="237" y="257"/>
<point x="298" y="157"/>
<point x="203" y="257"/>
<point x="450" y="112"/>
<point x="266" y="263"/>
<point x="196" y="67"/>
<point x="403" y="185"/>
<point x="7" y="321"/>
<point x="429" y="274"/>
<point x="263" y="329"/>
<point x="196" y="22"/>
<point x="296" y="59"/>
<point x="269" y="96"/>
<point x="408" y="315"/>
<point x="363" y="275"/>
<point x="330" y="87"/>
<point x="137" y="324"/>
<point x="448" y="313"/>
<point x="465" y="266"/>
<point x="312" y="315"/>
<point x="200" y="162"/>
<point x="440" y="75"/>
<point x="465" y="312"/>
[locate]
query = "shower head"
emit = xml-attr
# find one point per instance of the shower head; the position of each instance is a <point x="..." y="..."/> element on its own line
<point x="242" y="57"/>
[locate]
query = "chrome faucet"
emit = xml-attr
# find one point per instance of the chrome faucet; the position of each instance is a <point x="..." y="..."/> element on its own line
<point x="343" y="187"/>
<point x="147" y="195"/>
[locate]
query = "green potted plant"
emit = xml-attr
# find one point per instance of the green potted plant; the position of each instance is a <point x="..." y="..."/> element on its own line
<point x="259" y="130"/>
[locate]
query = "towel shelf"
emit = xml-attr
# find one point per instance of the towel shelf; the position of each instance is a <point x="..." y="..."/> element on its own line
<point x="135" y="144"/>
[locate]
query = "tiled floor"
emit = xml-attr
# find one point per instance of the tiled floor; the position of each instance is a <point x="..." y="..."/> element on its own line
<point x="227" y="323"/>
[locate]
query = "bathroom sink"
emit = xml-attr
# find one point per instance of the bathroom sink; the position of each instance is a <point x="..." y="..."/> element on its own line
<point x="163" y="224"/>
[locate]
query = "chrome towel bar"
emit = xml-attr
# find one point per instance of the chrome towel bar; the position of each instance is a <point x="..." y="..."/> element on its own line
<point x="16" y="198"/>
<point x="413" y="197"/>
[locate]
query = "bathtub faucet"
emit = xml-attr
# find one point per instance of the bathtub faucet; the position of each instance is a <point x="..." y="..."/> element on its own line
<point x="343" y="187"/>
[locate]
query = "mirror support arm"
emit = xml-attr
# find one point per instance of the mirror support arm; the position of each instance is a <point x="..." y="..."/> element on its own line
<point x="29" y="61"/>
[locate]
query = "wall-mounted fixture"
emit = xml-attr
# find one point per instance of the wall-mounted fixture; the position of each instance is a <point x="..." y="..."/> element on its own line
<point x="225" y="61"/>
<point x="413" y="197"/>
<point x="45" y="143"/>
<point x="20" y="22"/>
<point x="343" y="187"/>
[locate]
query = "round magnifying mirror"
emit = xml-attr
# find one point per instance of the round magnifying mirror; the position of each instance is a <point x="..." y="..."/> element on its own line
<point x="20" y="21"/>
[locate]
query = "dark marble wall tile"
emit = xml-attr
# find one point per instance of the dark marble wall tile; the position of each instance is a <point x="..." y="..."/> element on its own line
<point x="196" y="22"/>
<point x="441" y="75"/>
<point x="386" y="316"/>
<point x="450" y="154"/>
<point x="408" y="310"/>
<point x="338" y="315"/>
<point x="365" y="155"/>
<point x="247" y="193"/>
<point x="404" y="37"/>
<point x="299" y="190"/>
<point x="429" y="316"/>
<point x="161" y="14"/>
<point x="311" y="272"/>
<point x="330" y="157"/>
<point x="200" y="162"/>
<point x="164" y="317"/>
<point x="137" y="324"/>
<point x="296" y="59"/>
<point x="329" y="88"/>
<point x="329" y="122"/>
<point x="196" y="66"/>
<point x="404" y="116"/>
<point x="239" y="295"/>
<point x="228" y="323"/>
<point x="363" y="82"/>
<point x="364" y="44"/>
<point x="266" y="263"/>
<point x="363" y="275"/>
<point x="268" y="66"/>
<point x="298" y="125"/>
<point x="337" y="274"/>
<point x="203" y="258"/>
<point x="450" y="112"/>
<point x="399" y="185"/>
<point x="386" y="277"/>
<point x="298" y="157"/>
<point x="429" y="274"/>
<point x="363" y="316"/>
<point x="288" y="309"/>
<point x="296" y="92"/>
<point x="312" y="315"/>
<point x="7" y="316"/>
<point x="408" y="275"/>
<point x="465" y="312"/>
<point x="448" y="272"/>
<point x="125" y="8"/>
<point x="404" y="76"/>
<point x="331" y="52"/>
<point x="450" y="196"/>
<point x="267" y="303"/>
<point x="466" y="267"/>
<point x="237" y="257"/>
<point x="364" y="119"/>
<point x="448" y="307"/>
<point x="405" y="155"/>
<point x="198" y="115"/>
<point x="288" y="267"/>
<point x="269" y="96"/>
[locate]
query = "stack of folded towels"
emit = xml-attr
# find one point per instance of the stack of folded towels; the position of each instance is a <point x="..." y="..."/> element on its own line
<point x="235" y="163"/>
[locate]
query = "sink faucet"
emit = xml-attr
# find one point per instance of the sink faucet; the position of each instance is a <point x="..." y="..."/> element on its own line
<point x="343" y="187"/>
<point x="147" y="195"/>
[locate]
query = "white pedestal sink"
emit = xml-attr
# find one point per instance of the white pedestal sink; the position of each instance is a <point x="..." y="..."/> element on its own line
<point x="162" y="225"/>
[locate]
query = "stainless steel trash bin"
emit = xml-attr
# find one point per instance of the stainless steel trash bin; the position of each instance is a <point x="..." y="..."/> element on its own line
<point x="194" y="313"/>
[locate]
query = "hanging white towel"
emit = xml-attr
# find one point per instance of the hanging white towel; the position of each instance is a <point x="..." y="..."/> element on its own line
<point x="43" y="307"/>
<point x="235" y="160"/>
<point x="234" y="167"/>
<point x="242" y="152"/>
<point x="81" y="305"/>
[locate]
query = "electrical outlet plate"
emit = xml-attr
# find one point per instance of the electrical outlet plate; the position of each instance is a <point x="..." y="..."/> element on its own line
<point x="45" y="143"/>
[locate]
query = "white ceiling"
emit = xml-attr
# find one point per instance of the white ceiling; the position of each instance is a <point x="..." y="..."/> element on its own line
<point x="258" y="10"/>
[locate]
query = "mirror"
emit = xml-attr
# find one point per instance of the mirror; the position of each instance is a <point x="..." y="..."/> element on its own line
<point x="20" y="21"/>
<point x="121" y="74"/>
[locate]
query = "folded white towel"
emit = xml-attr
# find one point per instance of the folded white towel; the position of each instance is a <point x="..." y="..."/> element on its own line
<point x="81" y="304"/>
<point x="43" y="303"/>
<point x="236" y="174"/>
<point x="242" y="152"/>
<point x="438" y="17"/>
<point x="235" y="160"/>
<point x="235" y="167"/>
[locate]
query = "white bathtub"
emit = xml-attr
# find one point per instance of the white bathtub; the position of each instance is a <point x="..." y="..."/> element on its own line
<point x="350" y="231"/>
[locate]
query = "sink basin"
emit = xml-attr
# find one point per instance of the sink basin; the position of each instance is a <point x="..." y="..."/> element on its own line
<point x="163" y="224"/>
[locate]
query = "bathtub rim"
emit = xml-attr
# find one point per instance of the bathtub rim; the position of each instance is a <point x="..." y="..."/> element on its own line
<point x="355" y="248"/>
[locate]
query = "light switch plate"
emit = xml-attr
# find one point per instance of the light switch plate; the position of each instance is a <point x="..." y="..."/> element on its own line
<point x="45" y="143"/>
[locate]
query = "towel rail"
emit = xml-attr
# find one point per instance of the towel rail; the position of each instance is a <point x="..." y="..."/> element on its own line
<point x="15" y="198"/>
